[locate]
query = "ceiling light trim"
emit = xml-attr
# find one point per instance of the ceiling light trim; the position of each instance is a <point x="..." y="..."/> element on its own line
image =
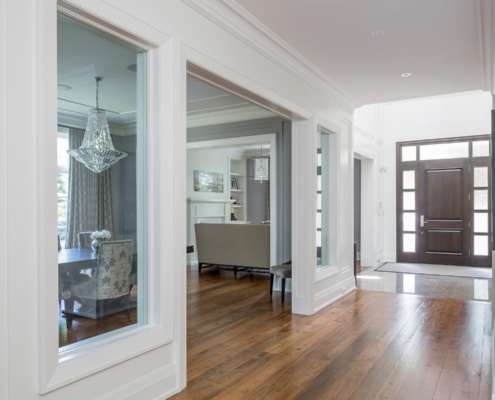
<point x="229" y="15"/>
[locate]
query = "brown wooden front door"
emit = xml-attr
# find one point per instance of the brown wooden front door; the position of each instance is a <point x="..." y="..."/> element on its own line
<point x="444" y="201"/>
<point x="444" y="212"/>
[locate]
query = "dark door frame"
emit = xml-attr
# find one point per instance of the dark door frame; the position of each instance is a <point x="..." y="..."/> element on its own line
<point x="414" y="165"/>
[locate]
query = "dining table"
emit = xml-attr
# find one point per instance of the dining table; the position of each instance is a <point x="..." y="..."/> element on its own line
<point x="75" y="260"/>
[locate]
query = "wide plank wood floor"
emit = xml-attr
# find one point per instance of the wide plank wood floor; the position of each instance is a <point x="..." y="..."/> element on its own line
<point x="367" y="345"/>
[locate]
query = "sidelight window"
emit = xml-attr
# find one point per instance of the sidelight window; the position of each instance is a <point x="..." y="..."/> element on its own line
<point x="326" y="201"/>
<point x="409" y="210"/>
<point x="480" y="212"/>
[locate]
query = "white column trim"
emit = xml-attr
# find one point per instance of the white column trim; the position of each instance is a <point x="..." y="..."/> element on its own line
<point x="303" y="215"/>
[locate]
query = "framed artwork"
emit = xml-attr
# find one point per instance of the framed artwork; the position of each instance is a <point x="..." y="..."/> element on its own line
<point x="206" y="181"/>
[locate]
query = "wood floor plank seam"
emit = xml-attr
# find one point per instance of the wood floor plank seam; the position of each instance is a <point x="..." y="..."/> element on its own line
<point x="367" y="345"/>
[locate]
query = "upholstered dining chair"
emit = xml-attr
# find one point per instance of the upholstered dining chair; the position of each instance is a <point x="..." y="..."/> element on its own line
<point x="108" y="291"/>
<point x="84" y="240"/>
<point x="283" y="271"/>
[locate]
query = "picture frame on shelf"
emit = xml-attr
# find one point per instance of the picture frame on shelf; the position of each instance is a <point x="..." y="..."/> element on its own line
<point x="233" y="184"/>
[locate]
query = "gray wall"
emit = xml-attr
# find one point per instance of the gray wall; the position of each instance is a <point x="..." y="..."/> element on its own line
<point x="283" y="129"/>
<point x="124" y="189"/>
<point x="255" y="197"/>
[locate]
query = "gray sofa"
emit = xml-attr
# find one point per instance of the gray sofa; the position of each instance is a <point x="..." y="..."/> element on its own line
<point x="233" y="245"/>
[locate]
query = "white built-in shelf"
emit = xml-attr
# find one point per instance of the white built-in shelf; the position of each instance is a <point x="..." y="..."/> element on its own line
<point x="234" y="174"/>
<point x="235" y="190"/>
<point x="236" y="206"/>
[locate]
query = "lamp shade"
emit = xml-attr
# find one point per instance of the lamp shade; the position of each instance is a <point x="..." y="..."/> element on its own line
<point x="261" y="168"/>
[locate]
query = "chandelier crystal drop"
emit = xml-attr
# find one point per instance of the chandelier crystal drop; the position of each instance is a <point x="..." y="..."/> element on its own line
<point x="97" y="152"/>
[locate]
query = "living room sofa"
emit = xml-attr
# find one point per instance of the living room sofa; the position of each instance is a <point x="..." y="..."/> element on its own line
<point x="234" y="245"/>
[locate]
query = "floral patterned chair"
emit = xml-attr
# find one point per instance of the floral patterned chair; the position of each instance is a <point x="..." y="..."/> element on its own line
<point x="108" y="291"/>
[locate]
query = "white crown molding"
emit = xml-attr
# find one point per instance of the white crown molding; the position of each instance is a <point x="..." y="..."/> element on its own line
<point x="229" y="15"/>
<point x="364" y="133"/>
<point x="485" y="16"/>
<point x="222" y="117"/>
<point x="367" y="134"/>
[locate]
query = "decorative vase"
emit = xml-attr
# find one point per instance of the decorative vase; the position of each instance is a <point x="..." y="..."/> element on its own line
<point x="95" y="245"/>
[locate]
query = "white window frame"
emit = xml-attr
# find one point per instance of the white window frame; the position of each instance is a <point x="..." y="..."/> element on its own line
<point x="325" y="271"/>
<point x="165" y="134"/>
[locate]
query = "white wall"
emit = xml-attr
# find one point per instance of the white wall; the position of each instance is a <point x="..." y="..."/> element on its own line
<point x="152" y="364"/>
<point x="462" y="114"/>
<point x="378" y="128"/>
<point x="368" y="147"/>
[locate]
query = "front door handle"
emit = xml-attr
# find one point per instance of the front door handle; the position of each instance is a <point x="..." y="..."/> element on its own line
<point x="422" y="221"/>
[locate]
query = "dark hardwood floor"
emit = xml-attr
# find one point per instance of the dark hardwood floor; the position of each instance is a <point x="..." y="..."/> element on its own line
<point x="367" y="345"/>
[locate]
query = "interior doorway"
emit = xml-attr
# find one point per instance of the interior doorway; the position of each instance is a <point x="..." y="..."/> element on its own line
<point x="443" y="201"/>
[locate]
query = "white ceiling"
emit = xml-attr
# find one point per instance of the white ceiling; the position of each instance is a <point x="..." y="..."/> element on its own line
<point x="444" y="44"/>
<point x="84" y="53"/>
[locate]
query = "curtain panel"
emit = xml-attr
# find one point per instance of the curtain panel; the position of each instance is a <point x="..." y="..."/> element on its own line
<point x="90" y="205"/>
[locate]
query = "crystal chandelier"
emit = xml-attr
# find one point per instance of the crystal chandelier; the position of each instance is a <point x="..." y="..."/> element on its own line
<point x="261" y="167"/>
<point x="97" y="152"/>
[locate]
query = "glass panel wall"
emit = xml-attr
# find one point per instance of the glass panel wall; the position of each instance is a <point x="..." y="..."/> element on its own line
<point x="101" y="220"/>
<point x="326" y="199"/>
<point x="322" y="192"/>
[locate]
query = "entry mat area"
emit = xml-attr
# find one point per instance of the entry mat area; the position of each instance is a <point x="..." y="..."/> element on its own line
<point x="434" y="269"/>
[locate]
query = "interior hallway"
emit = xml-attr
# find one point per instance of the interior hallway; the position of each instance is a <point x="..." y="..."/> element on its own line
<point x="367" y="345"/>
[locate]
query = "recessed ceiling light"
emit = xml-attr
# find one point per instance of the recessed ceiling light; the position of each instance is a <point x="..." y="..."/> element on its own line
<point x="377" y="33"/>
<point x="63" y="87"/>
<point x="405" y="75"/>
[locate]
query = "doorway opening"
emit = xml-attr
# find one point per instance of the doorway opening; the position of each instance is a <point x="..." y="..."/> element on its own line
<point x="227" y="128"/>
<point x="444" y="201"/>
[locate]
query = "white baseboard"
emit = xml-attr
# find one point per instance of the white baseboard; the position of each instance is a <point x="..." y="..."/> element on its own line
<point x="151" y="386"/>
<point x="333" y="293"/>
<point x="389" y="257"/>
<point x="367" y="261"/>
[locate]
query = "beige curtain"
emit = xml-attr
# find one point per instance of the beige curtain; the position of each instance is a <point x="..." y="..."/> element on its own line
<point x="90" y="205"/>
